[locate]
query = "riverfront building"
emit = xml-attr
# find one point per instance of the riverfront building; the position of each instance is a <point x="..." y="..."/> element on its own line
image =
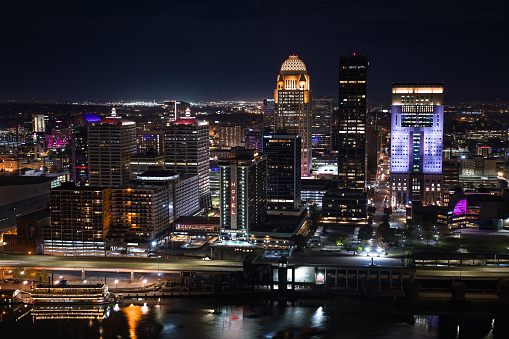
<point x="243" y="195"/>
<point x="139" y="214"/>
<point x="79" y="218"/>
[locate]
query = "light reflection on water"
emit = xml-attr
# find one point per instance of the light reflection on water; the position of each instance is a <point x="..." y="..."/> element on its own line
<point x="133" y="315"/>
<point x="209" y="318"/>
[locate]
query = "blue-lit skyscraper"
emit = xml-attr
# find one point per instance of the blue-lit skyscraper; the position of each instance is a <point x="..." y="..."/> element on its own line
<point x="417" y="126"/>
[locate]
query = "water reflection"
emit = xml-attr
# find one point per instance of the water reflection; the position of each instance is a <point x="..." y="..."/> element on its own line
<point x="318" y="318"/>
<point x="133" y="315"/>
<point x="212" y="318"/>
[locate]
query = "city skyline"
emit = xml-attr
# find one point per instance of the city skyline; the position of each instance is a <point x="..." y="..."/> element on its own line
<point x="157" y="51"/>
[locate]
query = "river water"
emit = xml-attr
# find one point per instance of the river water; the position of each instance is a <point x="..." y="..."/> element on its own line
<point x="238" y="318"/>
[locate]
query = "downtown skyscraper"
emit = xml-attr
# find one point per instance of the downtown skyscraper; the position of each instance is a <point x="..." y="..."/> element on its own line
<point x="351" y="124"/>
<point x="292" y="98"/>
<point x="283" y="171"/>
<point x="111" y="142"/>
<point x="346" y="203"/>
<point x="186" y="150"/>
<point x="321" y="123"/>
<point x="417" y="129"/>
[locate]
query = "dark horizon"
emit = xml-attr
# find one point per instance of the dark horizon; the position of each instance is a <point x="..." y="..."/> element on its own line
<point x="195" y="51"/>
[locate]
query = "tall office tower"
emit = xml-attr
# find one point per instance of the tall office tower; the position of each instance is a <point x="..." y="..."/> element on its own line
<point x="38" y="123"/>
<point x="79" y="218"/>
<point x="150" y="141"/>
<point x="417" y="122"/>
<point x="321" y="123"/>
<point x="243" y="195"/>
<point x="79" y="169"/>
<point x="283" y="171"/>
<point x="292" y="99"/>
<point x="111" y="142"/>
<point x="187" y="151"/>
<point x="351" y="126"/>
<point x="268" y="115"/>
<point x="176" y="109"/>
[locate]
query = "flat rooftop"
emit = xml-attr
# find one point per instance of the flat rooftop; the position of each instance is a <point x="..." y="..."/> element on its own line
<point x="343" y="260"/>
<point x="8" y="180"/>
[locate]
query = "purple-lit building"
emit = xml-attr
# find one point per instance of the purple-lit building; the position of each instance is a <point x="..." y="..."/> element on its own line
<point x="480" y="211"/>
<point x="59" y="138"/>
<point x="416" y="144"/>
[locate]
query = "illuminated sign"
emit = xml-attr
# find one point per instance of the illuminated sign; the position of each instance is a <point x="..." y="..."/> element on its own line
<point x="233" y="196"/>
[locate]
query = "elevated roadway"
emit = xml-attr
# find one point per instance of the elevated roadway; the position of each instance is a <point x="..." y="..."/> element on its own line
<point x="119" y="264"/>
<point x="463" y="272"/>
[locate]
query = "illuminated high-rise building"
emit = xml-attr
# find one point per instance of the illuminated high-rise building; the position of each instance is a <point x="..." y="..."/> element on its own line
<point x="292" y="98"/>
<point x="80" y="216"/>
<point x="243" y="195"/>
<point x="416" y="143"/>
<point x="321" y="123"/>
<point x="176" y="109"/>
<point x="186" y="150"/>
<point x="346" y="203"/>
<point x="80" y="173"/>
<point x="39" y="123"/>
<point x="351" y="124"/>
<point x="111" y="142"/>
<point x="150" y="141"/>
<point x="283" y="171"/>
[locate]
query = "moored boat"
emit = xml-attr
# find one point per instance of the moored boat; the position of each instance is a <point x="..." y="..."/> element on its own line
<point x="76" y="294"/>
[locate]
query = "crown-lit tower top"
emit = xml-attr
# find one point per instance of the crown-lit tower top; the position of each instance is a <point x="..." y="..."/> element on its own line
<point x="293" y="76"/>
<point x="293" y="65"/>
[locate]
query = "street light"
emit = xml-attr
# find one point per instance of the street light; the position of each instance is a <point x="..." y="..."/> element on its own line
<point x="116" y="282"/>
<point x="144" y="282"/>
<point x="25" y="283"/>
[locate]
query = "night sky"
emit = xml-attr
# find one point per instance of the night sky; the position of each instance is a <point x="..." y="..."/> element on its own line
<point x="232" y="50"/>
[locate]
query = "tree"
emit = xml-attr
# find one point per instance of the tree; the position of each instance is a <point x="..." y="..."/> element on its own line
<point x="315" y="213"/>
<point x="383" y="231"/>
<point x="339" y="239"/>
<point x="409" y="235"/>
<point x="383" y="243"/>
<point x="444" y="232"/>
<point x="343" y="242"/>
<point x="428" y="228"/>
<point x="364" y="243"/>
<point x="365" y="232"/>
